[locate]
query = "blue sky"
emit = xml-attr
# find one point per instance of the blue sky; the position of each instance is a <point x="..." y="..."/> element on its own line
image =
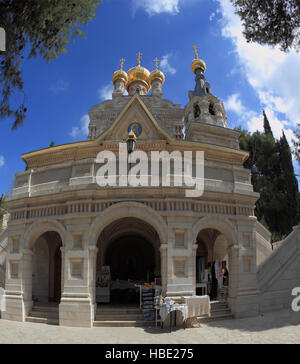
<point x="246" y="77"/>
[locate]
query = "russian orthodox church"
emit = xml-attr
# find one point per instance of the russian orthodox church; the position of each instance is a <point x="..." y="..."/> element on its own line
<point x="75" y="247"/>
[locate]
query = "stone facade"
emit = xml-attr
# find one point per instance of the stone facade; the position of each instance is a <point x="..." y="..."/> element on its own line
<point x="57" y="203"/>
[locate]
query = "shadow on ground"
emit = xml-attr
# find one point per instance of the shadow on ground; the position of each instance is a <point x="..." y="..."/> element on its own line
<point x="269" y="321"/>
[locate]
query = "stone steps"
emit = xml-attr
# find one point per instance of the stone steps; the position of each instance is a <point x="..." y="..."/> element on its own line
<point x="219" y="311"/>
<point x="122" y="311"/>
<point x="220" y="317"/>
<point x="119" y="317"/>
<point x="42" y="320"/>
<point x="123" y="323"/>
<point x="44" y="314"/>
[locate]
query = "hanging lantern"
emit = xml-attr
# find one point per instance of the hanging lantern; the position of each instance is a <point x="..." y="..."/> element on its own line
<point x="131" y="142"/>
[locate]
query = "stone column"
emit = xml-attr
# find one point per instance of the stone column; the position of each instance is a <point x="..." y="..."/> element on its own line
<point x="181" y="280"/>
<point x="62" y="249"/>
<point x="233" y="267"/>
<point x="18" y="287"/>
<point x="76" y="307"/>
<point x="193" y="265"/>
<point x="164" y="266"/>
<point x="246" y="301"/>
<point x="93" y="251"/>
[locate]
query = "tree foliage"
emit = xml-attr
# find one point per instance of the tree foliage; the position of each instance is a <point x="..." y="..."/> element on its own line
<point x="35" y="28"/>
<point x="273" y="22"/>
<point x="3" y="204"/>
<point x="273" y="177"/>
<point x="296" y="143"/>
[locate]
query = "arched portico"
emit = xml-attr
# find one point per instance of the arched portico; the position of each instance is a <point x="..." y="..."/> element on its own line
<point x="118" y="212"/>
<point x="43" y="262"/>
<point x="215" y="241"/>
<point x="220" y="224"/>
<point x="128" y="209"/>
<point x="40" y="227"/>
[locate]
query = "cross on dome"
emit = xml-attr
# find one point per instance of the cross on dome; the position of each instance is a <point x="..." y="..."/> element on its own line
<point x="122" y="60"/>
<point x="139" y="58"/>
<point x="196" y="51"/>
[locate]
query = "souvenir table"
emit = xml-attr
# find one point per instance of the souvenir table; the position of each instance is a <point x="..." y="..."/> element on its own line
<point x="197" y="306"/>
<point x="172" y="308"/>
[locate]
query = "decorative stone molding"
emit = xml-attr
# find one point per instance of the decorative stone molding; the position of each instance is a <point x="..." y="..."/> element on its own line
<point x="128" y="209"/>
<point x="223" y="225"/>
<point x="94" y="207"/>
<point x="40" y="227"/>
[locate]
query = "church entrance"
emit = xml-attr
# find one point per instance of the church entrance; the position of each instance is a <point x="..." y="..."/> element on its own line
<point x="131" y="258"/>
<point x="46" y="269"/>
<point x="212" y="265"/>
<point x="128" y="258"/>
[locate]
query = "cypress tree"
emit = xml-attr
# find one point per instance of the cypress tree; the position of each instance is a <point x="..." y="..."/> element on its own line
<point x="273" y="177"/>
<point x="267" y="126"/>
<point x="288" y="185"/>
<point x="296" y="143"/>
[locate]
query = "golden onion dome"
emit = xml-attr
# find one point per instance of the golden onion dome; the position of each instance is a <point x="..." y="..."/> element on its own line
<point x="120" y="75"/>
<point x="157" y="74"/>
<point x="198" y="63"/>
<point x="140" y="74"/>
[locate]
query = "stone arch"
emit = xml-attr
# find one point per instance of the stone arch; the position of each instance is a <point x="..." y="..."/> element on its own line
<point x="223" y="225"/>
<point x="229" y="232"/>
<point x="40" y="227"/>
<point x="128" y="209"/>
<point x="197" y="111"/>
<point x="211" y="109"/>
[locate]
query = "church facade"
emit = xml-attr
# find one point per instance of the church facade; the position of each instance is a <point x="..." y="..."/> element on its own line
<point x="65" y="226"/>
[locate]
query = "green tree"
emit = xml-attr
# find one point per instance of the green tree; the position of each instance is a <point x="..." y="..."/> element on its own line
<point x="267" y="126"/>
<point x="274" y="179"/>
<point x="3" y="204"/>
<point x="296" y="143"/>
<point x="288" y="186"/>
<point x="35" y="28"/>
<point x="273" y="22"/>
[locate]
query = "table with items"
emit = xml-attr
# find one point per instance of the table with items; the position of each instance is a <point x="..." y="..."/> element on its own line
<point x="171" y="307"/>
<point x="193" y="306"/>
<point x="197" y="306"/>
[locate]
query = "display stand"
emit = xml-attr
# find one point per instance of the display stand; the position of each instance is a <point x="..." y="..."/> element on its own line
<point x="148" y="304"/>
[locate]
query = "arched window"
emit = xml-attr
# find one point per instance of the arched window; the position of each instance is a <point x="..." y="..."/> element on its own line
<point x="211" y="109"/>
<point x="197" y="111"/>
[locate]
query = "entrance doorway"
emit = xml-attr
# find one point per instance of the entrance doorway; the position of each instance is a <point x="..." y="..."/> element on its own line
<point x="131" y="258"/>
<point x="128" y="257"/>
<point x="212" y="265"/>
<point x="47" y="268"/>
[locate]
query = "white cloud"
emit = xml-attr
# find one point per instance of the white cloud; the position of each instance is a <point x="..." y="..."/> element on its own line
<point x="59" y="86"/>
<point x="234" y="103"/>
<point x="2" y="161"/>
<point x="153" y="7"/>
<point x="81" y="131"/>
<point x="165" y="65"/>
<point x="105" y="93"/>
<point x="255" y="121"/>
<point x="274" y="75"/>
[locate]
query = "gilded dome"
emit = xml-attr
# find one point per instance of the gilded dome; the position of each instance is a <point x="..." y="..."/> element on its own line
<point x="198" y="63"/>
<point x="120" y="75"/>
<point x="157" y="74"/>
<point x="140" y="74"/>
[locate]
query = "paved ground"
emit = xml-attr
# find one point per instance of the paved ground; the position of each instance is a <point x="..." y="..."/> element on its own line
<point x="277" y="327"/>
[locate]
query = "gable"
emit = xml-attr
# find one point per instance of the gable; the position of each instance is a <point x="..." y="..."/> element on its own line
<point x="135" y="116"/>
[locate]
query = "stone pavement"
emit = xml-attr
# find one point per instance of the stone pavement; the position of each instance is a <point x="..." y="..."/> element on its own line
<point x="274" y="328"/>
